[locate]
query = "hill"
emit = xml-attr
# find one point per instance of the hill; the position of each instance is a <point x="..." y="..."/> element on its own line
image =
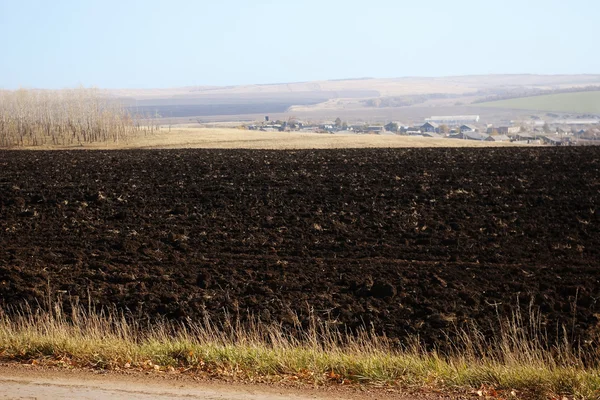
<point x="342" y="88"/>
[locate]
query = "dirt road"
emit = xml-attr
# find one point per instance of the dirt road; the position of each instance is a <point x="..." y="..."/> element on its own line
<point x="22" y="382"/>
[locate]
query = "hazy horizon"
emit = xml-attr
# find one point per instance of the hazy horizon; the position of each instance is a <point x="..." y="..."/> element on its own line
<point x="155" y="44"/>
<point x="384" y="78"/>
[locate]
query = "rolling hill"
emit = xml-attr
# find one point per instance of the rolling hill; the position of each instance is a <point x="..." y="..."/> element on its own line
<point x="576" y="102"/>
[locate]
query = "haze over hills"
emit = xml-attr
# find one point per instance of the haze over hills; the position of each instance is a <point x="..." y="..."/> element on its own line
<point x="384" y="86"/>
<point x="363" y="99"/>
<point x="407" y="100"/>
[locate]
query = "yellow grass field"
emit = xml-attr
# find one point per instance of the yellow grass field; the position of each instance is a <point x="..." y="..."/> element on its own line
<point x="228" y="138"/>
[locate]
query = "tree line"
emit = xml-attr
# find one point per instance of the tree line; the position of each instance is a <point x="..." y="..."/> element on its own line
<point x="66" y="117"/>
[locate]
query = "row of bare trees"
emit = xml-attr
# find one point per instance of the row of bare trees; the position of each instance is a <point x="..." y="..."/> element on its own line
<point x="66" y="117"/>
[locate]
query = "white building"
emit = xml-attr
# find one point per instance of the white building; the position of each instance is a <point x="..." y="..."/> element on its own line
<point x="453" y="119"/>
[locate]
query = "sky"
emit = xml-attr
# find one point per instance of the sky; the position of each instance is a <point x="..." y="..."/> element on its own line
<point x="160" y="43"/>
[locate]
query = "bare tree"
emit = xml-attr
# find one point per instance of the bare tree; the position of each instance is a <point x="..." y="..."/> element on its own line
<point x="65" y="117"/>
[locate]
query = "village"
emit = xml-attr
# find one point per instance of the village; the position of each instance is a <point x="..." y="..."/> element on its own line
<point x="565" y="132"/>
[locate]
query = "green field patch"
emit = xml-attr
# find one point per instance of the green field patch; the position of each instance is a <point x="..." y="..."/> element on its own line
<point x="577" y="102"/>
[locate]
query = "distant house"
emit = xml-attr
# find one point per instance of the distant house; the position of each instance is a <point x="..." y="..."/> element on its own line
<point x="563" y="130"/>
<point x="393" y="127"/>
<point x="523" y="136"/>
<point x="432" y="127"/>
<point x="509" y="130"/>
<point x="475" y="136"/>
<point x="411" y="130"/>
<point x="591" y="134"/>
<point x="296" y="124"/>
<point x="468" y="128"/>
<point x="553" y="140"/>
<point x="513" y="129"/>
<point x="471" y="136"/>
<point x="375" y="129"/>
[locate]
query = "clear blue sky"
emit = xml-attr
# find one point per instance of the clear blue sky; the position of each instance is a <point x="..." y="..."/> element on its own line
<point x="160" y="43"/>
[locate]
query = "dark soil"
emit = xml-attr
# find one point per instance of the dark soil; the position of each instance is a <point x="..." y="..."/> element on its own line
<point x="416" y="241"/>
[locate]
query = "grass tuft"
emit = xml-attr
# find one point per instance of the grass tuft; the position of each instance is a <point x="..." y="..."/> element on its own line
<point x="512" y="364"/>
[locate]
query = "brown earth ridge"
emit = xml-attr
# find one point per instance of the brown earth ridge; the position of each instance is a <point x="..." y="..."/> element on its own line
<point x="407" y="241"/>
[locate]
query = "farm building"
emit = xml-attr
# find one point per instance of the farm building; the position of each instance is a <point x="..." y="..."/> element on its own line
<point x="475" y="136"/>
<point x="356" y="128"/>
<point x="553" y="140"/>
<point x="410" y="130"/>
<point x="470" y="136"/>
<point x="453" y="119"/>
<point x="468" y="128"/>
<point x="508" y="130"/>
<point x="563" y="130"/>
<point x="430" y="127"/>
<point x="375" y="129"/>
<point x="524" y="137"/>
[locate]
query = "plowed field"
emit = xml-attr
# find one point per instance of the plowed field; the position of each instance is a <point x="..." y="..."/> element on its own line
<point x="411" y="241"/>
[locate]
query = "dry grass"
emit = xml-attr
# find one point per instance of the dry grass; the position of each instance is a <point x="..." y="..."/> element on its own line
<point x="223" y="138"/>
<point x="515" y="364"/>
